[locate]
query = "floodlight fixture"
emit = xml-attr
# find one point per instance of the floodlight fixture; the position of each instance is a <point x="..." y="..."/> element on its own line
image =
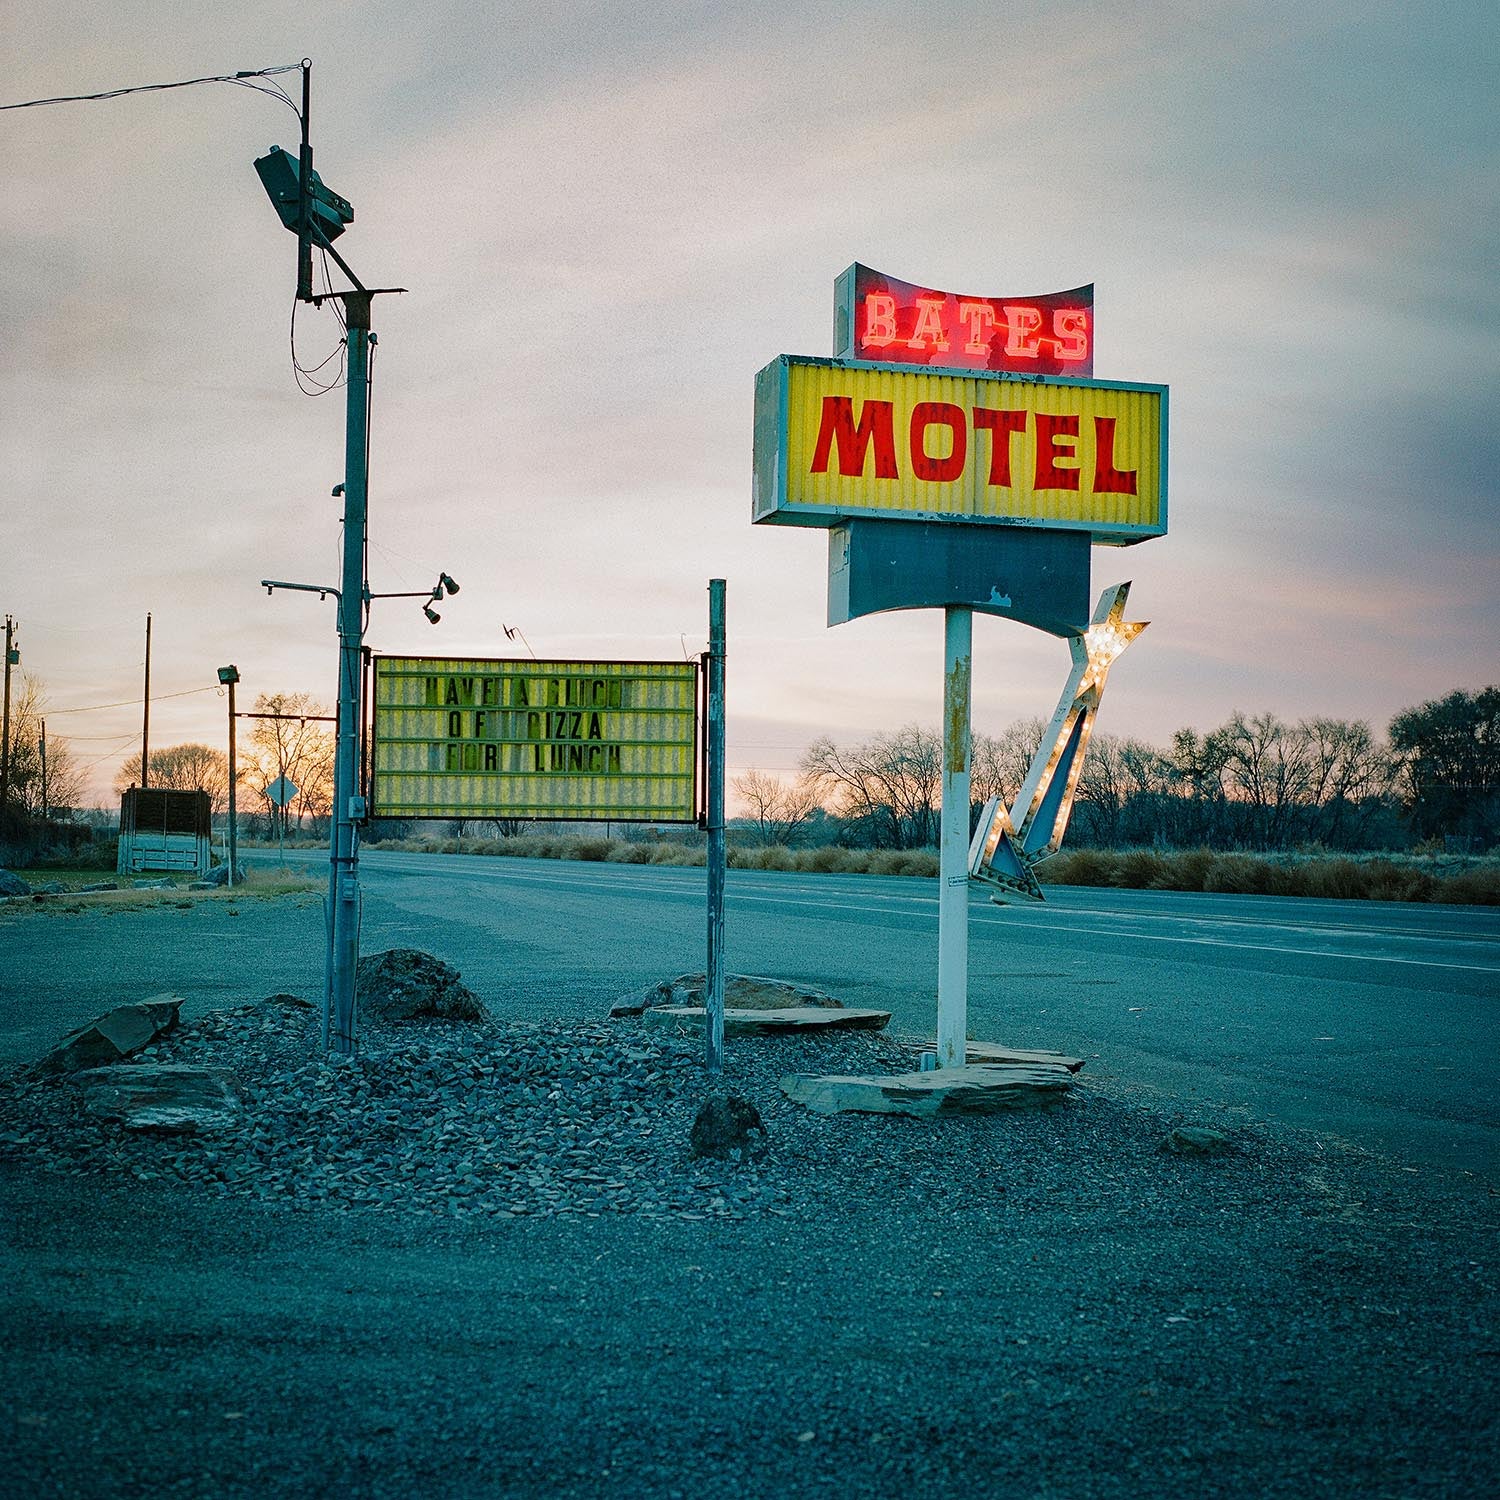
<point x="445" y="581"/>
<point x="231" y="673"/>
<point x="432" y="615"/>
<point x="329" y="213"/>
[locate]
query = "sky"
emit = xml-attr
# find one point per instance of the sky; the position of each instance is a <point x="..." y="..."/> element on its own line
<point x="609" y="217"/>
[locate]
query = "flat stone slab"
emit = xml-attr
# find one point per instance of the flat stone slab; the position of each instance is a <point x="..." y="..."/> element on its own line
<point x="974" y="1089"/>
<point x="993" y="1052"/>
<point x="741" y="992"/>
<point x="739" y="1022"/>
<point x="167" y="1098"/>
<point x="114" y="1036"/>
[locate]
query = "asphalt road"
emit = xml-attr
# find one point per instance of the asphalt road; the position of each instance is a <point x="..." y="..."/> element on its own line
<point x="1372" y="1022"/>
<point x="1078" y="1314"/>
<point x="1375" y="1022"/>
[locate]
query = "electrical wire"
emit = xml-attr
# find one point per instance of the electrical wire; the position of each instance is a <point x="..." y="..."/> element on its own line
<point x="305" y="375"/>
<point x="241" y="79"/>
<point x="306" y="379"/>
<point x="94" y="760"/>
<point x="130" y="702"/>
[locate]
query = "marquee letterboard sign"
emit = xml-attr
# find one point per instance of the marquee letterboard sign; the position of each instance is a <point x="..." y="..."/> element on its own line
<point x="535" y="739"/>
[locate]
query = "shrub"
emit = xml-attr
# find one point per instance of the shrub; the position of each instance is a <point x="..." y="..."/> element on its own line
<point x="1079" y="867"/>
<point x="1238" y="875"/>
<point x="629" y="854"/>
<point x="1190" y="868"/>
<point x="1337" y="879"/>
<point x="677" y="854"/>
<point x="829" y="860"/>
<point x="1141" y="869"/>
<point x="1470" y="888"/>
<point x="769" y="857"/>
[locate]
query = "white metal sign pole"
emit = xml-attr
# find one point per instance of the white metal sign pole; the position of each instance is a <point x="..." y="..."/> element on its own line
<point x="714" y="806"/>
<point x="953" y="860"/>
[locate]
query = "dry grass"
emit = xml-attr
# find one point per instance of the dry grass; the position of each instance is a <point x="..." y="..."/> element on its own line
<point x="1412" y="877"/>
<point x="264" y="885"/>
<point x="1369" y="878"/>
<point x="827" y="860"/>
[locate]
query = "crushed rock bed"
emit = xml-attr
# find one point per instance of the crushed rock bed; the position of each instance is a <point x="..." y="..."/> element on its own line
<point x="512" y="1119"/>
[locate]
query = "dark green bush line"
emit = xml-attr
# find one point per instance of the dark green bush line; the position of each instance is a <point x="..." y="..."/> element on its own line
<point x="827" y="860"/>
<point x="1248" y="875"/>
<point x="1400" y="879"/>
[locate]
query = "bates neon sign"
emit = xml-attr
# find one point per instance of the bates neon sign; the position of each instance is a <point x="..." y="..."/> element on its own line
<point x="879" y="318"/>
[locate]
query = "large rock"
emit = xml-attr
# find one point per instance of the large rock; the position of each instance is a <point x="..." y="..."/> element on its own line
<point x="116" y="1035"/>
<point x="741" y="992"/>
<point x="12" y="884"/>
<point x="769" y="1022"/>
<point x="972" y="1089"/>
<point x="166" y="1098"/>
<point x="1196" y="1140"/>
<point x="405" y="984"/>
<point x="726" y="1126"/>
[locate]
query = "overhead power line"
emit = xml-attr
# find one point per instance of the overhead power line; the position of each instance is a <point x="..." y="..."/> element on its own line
<point x="275" y="91"/>
<point x="128" y="702"/>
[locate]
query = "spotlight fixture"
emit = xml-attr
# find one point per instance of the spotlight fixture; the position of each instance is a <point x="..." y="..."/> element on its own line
<point x="445" y="581"/>
<point x="432" y="615"/>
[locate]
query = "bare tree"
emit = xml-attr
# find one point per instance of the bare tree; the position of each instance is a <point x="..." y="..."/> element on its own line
<point x="182" y="768"/>
<point x="292" y="744"/>
<point x="999" y="762"/>
<point x="1267" y="766"/>
<point x="1349" y="776"/>
<point x="777" y="810"/>
<point x="889" y="787"/>
<point x="27" y="790"/>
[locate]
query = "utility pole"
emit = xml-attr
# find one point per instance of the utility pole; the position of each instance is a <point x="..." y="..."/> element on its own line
<point x="12" y="656"/>
<point x="146" y="710"/>
<point x="42" y="746"/>
<point x="317" y="215"/>
<point x="344" y="851"/>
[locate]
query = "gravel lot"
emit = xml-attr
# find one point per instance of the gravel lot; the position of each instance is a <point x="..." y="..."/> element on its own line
<point x="479" y="1260"/>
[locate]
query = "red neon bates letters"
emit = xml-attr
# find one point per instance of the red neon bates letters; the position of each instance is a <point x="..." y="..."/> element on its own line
<point x="882" y="319"/>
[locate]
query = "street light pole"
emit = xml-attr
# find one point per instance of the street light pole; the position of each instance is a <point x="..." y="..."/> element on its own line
<point x="229" y="676"/>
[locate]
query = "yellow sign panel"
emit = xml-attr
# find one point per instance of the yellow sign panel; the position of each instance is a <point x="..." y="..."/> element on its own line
<point x="835" y="440"/>
<point x="535" y="739"/>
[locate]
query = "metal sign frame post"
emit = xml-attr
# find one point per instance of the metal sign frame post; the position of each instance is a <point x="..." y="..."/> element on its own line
<point x="714" y="998"/>
<point x="953" y="860"/>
